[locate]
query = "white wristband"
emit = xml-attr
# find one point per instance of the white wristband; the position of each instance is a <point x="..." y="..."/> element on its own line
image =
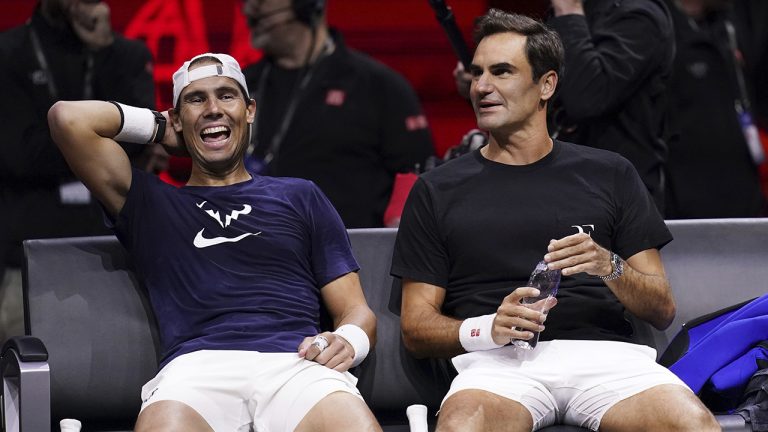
<point x="475" y="333"/>
<point x="357" y="338"/>
<point x="137" y="125"/>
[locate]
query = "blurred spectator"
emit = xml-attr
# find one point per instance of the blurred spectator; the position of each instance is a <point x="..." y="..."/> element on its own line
<point x="618" y="58"/>
<point x="328" y="113"/>
<point x="712" y="169"/>
<point x="65" y="51"/>
<point x="751" y="22"/>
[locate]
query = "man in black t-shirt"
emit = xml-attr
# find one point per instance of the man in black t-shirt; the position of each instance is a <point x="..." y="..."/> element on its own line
<point x="618" y="61"/>
<point x="328" y="113"/>
<point x="472" y="231"/>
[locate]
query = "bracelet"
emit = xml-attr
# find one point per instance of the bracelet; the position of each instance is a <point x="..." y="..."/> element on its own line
<point x="137" y="125"/>
<point x="617" y="268"/>
<point x="475" y="333"/>
<point x="357" y="338"/>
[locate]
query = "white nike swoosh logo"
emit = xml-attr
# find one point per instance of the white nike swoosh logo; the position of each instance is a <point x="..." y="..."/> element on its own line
<point x="202" y="242"/>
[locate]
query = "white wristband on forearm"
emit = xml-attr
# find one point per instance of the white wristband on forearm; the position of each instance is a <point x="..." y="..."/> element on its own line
<point x="357" y="338"/>
<point x="475" y="333"/>
<point x="137" y="125"/>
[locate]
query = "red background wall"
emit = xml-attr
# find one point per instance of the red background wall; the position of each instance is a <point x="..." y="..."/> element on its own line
<point x="401" y="33"/>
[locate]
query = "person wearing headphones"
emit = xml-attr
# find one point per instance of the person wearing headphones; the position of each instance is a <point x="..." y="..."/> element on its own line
<point x="328" y="113"/>
<point x="237" y="266"/>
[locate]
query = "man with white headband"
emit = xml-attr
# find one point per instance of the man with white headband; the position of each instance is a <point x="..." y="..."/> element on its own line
<point x="238" y="267"/>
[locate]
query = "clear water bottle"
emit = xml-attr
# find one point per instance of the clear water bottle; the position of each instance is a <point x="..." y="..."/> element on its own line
<point x="70" y="425"/>
<point x="546" y="281"/>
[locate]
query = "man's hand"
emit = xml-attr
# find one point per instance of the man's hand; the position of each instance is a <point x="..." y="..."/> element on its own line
<point x="578" y="253"/>
<point x="463" y="80"/>
<point x="173" y="142"/>
<point x="338" y="355"/>
<point x="515" y="320"/>
<point x="90" y="21"/>
<point x="568" y="7"/>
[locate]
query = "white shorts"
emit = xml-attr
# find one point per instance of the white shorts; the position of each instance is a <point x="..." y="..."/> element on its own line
<point x="247" y="390"/>
<point x="563" y="381"/>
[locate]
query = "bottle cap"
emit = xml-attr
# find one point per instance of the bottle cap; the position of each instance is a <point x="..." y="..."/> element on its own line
<point x="417" y="418"/>
<point x="70" y="425"/>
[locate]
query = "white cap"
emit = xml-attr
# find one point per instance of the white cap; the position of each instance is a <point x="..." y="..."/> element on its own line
<point x="417" y="418"/>
<point x="229" y="67"/>
<point x="70" y="425"/>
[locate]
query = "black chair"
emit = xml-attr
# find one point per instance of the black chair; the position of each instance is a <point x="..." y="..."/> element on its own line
<point x="98" y="334"/>
<point x="712" y="264"/>
<point x="85" y="304"/>
<point x="83" y="301"/>
<point x="705" y="256"/>
<point x="390" y="379"/>
<point x="92" y="339"/>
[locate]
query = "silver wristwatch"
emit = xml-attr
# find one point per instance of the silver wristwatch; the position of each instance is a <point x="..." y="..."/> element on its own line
<point x="618" y="268"/>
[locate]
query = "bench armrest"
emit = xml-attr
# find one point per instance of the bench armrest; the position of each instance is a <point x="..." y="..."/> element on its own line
<point x="733" y="423"/>
<point x="26" y="385"/>
<point x="28" y="348"/>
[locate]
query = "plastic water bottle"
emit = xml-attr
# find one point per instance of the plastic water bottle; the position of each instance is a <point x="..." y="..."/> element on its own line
<point x="417" y="418"/>
<point x="546" y="281"/>
<point x="70" y="425"/>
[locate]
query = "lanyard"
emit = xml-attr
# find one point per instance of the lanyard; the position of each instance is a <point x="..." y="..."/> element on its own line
<point x="302" y="83"/>
<point x="53" y="91"/>
<point x="277" y="138"/>
<point x="742" y="104"/>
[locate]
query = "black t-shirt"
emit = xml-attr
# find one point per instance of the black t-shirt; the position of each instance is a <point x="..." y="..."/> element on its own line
<point x="618" y="59"/>
<point x="31" y="166"/>
<point x="477" y="228"/>
<point x="281" y="87"/>
<point x="356" y="125"/>
<point x="710" y="171"/>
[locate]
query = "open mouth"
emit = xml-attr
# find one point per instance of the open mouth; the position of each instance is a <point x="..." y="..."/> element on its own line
<point x="216" y="134"/>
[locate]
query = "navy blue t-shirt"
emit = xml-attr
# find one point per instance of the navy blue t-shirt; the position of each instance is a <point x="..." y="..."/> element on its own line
<point x="235" y="267"/>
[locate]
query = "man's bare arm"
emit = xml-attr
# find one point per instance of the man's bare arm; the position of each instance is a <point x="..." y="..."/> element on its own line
<point x="643" y="288"/>
<point x="83" y="131"/>
<point x="427" y="332"/>
<point x="345" y="302"/>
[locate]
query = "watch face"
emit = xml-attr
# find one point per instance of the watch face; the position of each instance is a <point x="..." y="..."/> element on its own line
<point x="618" y="265"/>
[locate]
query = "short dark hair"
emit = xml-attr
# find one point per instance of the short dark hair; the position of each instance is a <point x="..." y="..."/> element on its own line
<point x="543" y="47"/>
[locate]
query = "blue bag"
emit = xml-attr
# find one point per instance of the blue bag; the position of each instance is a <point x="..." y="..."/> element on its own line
<point x="717" y="354"/>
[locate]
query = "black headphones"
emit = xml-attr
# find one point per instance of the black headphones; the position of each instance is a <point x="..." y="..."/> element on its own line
<point x="308" y="11"/>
